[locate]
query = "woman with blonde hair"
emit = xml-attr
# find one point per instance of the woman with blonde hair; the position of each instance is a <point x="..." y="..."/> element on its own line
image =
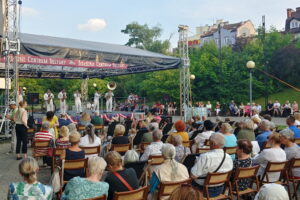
<point x="30" y="188"/>
<point x="90" y="187"/>
<point x="247" y="130"/>
<point x="85" y="119"/>
<point x="230" y="139"/>
<point x="119" y="137"/>
<point x="63" y="140"/>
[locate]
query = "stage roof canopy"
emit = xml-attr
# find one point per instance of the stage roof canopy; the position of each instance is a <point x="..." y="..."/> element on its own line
<point x="54" y="57"/>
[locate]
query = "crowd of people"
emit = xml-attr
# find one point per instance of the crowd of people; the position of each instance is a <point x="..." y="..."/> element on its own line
<point x="257" y="142"/>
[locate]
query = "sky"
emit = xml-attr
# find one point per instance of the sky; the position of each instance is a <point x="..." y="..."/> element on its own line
<point x="102" y="20"/>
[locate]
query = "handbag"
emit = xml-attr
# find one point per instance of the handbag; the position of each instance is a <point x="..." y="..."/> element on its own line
<point x="126" y="184"/>
<point x="56" y="181"/>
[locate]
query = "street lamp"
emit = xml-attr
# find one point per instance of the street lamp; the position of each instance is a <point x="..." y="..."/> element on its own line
<point x="95" y="85"/>
<point x="250" y="65"/>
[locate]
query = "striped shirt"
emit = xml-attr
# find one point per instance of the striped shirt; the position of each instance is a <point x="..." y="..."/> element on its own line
<point x="42" y="136"/>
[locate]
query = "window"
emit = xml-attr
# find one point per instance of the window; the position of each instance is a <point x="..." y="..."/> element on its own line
<point x="227" y="41"/>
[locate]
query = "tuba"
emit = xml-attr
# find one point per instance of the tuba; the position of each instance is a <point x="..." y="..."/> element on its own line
<point x="111" y="85"/>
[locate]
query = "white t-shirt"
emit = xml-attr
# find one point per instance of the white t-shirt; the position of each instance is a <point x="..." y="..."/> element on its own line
<point x="277" y="105"/>
<point x="84" y="142"/>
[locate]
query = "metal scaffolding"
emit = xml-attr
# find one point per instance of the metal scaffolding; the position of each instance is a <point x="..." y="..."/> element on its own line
<point x="184" y="71"/>
<point x="10" y="50"/>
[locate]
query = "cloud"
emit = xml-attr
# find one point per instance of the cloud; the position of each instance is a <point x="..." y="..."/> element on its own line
<point x="94" y="25"/>
<point x="29" y="12"/>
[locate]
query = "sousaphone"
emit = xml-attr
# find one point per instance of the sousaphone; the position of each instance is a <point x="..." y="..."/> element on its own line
<point x="111" y="85"/>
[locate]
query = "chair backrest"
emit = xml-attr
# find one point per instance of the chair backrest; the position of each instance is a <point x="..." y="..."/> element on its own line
<point x="121" y="148"/>
<point x="297" y="141"/>
<point x="246" y="172"/>
<point x="58" y="151"/>
<point x="202" y="150"/>
<point x="293" y="164"/>
<point x="144" y="145"/>
<point x="230" y="150"/>
<point x="186" y="143"/>
<point x="139" y="194"/>
<point x="91" y="150"/>
<point x="274" y="167"/>
<point x="76" y="164"/>
<point x="98" y="127"/>
<point x="80" y="128"/>
<point x="213" y="179"/>
<point x="166" y="188"/>
<point x="156" y="159"/>
<point x="41" y="143"/>
<point x="98" y="198"/>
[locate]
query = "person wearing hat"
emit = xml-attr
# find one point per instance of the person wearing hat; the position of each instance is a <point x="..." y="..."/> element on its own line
<point x="13" y="110"/>
<point x="291" y="149"/>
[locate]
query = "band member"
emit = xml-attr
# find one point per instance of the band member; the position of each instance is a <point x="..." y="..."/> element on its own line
<point x="62" y="96"/>
<point x="130" y="98"/>
<point x="77" y="97"/>
<point x="109" y="97"/>
<point x="48" y="97"/>
<point x="20" y="95"/>
<point x="96" y="101"/>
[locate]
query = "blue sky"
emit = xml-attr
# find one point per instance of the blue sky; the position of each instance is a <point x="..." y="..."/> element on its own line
<point x="100" y="20"/>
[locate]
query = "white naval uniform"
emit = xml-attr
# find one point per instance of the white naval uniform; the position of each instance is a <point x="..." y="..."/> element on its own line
<point x="63" y="104"/>
<point x="50" y="105"/>
<point x="109" y="101"/>
<point x="77" y="97"/>
<point x="96" y="101"/>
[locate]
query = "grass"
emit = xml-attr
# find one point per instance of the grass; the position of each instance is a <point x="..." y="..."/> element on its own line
<point x="287" y="94"/>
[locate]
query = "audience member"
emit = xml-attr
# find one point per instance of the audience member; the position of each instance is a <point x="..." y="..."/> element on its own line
<point x="273" y="154"/>
<point x="131" y="156"/>
<point x="201" y="137"/>
<point x="30" y="188"/>
<point x="247" y="130"/>
<point x="290" y="121"/>
<point x="85" y="119"/>
<point x="291" y="149"/>
<point x="169" y="171"/>
<point x="297" y="118"/>
<point x="63" y="140"/>
<point x="119" y="137"/>
<point x="155" y="147"/>
<point x="90" y="139"/>
<point x="53" y="121"/>
<point x="215" y="160"/>
<point x="118" y="176"/>
<point x="21" y="129"/>
<point x="147" y="137"/>
<point x="263" y="137"/>
<point x="230" y="139"/>
<point x="64" y="120"/>
<point x="180" y="127"/>
<point x="186" y="192"/>
<point x="96" y="119"/>
<point x="90" y="187"/>
<point x="272" y="191"/>
<point x="181" y="151"/>
<point x="72" y="128"/>
<point x="73" y="153"/>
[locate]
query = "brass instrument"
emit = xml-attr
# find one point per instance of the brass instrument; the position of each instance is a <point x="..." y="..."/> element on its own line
<point x="111" y="86"/>
<point x="64" y="97"/>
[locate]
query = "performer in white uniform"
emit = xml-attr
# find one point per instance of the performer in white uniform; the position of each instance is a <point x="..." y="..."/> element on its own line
<point x="77" y="97"/>
<point x="96" y="101"/>
<point x="62" y="96"/>
<point x="20" y="95"/>
<point x="109" y="98"/>
<point x="48" y="97"/>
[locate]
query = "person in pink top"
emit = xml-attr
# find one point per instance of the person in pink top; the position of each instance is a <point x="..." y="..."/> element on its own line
<point x="295" y="107"/>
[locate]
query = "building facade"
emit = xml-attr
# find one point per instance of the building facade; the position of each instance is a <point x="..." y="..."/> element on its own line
<point x="292" y="23"/>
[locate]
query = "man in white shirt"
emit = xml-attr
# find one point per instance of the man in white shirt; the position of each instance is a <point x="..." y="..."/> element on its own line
<point x="62" y="96"/>
<point x="201" y="137"/>
<point x="212" y="162"/>
<point x="155" y="147"/>
<point x="96" y="101"/>
<point x="48" y="97"/>
<point x="77" y="97"/>
<point x="109" y="98"/>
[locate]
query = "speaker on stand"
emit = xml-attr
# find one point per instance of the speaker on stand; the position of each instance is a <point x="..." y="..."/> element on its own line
<point x="32" y="99"/>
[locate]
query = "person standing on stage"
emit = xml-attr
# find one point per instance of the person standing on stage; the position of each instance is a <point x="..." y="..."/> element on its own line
<point x="13" y="110"/>
<point x="20" y="95"/>
<point x="96" y="101"/>
<point x="77" y="97"/>
<point x="62" y="96"/>
<point x="109" y="98"/>
<point x="48" y="97"/>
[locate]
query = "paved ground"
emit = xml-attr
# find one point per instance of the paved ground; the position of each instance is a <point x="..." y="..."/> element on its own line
<point x="9" y="166"/>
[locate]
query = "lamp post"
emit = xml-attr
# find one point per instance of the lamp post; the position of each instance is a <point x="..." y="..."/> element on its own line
<point x="250" y="65"/>
<point x="192" y="77"/>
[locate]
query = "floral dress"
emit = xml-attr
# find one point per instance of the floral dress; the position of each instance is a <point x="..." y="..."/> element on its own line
<point x="25" y="191"/>
<point x="242" y="183"/>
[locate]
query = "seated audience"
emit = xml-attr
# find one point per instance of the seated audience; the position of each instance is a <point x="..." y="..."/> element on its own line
<point x="117" y="173"/>
<point x="181" y="151"/>
<point x="297" y="118"/>
<point x="53" y="121"/>
<point x="180" y="127"/>
<point x="186" y="192"/>
<point x="147" y="137"/>
<point x="212" y="162"/>
<point x="263" y="137"/>
<point x="169" y="171"/>
<point x="193" y="131"/>
<point x="30" y="188"/>
<point x="291" y="149"/>
<point x="90" y="187"/>
<point x="230" y="139"/>
<point x="202" y="137"/>
<point x="272" y="191"/>
<point x="73" y="153"/>
<point x="63" y="140"/>
<point x="64" y="120"/>
<point x="244" y="149"/>
<point x="96" y="119"/>
<point x="274" y="154"/>
<point x="85" y="119"/>
<point x="119" y="137"/>
<point x="247" y="131"/>
<point x="90" y="139"/>
<point x="155" y="147"/>
<point x="290" y="121"/>
<point x="131" y="156"/>
<point x="72" y="128"/>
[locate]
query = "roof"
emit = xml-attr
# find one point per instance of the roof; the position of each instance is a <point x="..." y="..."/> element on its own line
<point x="232" y="27"/>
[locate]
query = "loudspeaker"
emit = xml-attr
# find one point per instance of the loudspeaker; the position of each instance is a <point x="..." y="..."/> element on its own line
<point x="33" y="98"/>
